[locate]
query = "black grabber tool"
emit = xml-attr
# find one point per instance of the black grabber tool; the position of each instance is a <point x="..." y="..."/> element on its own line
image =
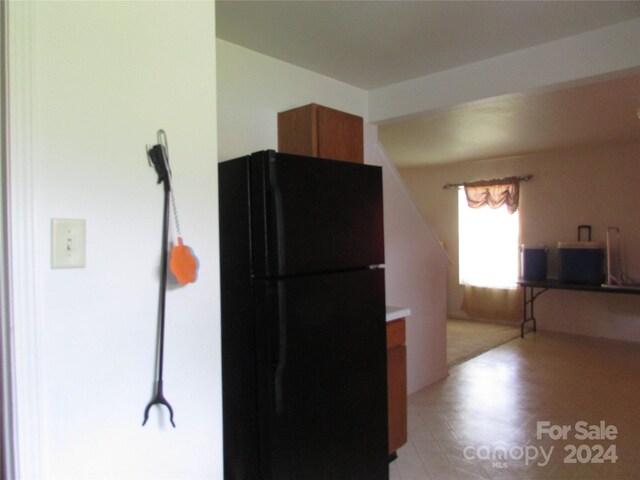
<point x="159" y="159"/>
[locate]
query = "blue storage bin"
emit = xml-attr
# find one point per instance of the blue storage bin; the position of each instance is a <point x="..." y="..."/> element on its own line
<point x="534" y="263"/>
<point x="581" y="262"/>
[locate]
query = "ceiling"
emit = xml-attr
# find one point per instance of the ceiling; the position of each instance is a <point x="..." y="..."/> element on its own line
<point x="518" y="124"/>
<point x="369" y="44"/>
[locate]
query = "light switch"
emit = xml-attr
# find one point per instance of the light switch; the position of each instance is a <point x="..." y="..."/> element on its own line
<point x="68" y="243"/>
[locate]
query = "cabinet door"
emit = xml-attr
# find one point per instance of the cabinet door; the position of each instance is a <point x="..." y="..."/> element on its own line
<point x="298" y="132"/>
<point x="397" y="374"/>
<point x="340" y="136"/>
<point x="397" y="383"/>
<point x="318" y="131"/>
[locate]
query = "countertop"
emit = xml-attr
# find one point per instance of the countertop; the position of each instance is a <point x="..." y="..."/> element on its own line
<point x="393" y="313"/>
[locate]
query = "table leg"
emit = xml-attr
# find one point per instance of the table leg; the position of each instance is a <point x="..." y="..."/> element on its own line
<point x="525" y="310"/>
<point x="528" y="314"/>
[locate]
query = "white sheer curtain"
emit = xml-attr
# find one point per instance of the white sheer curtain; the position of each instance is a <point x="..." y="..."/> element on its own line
<point x="488" y="240"/>
<point x="489" y="231"/>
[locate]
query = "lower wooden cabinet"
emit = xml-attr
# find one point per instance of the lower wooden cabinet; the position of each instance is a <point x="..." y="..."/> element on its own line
<point x="397" y="383"/>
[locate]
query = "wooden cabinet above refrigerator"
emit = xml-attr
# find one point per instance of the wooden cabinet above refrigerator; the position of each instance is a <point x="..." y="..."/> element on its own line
<point x="323" y="132"/>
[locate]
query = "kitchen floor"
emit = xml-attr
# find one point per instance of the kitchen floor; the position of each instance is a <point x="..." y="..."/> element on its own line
<point x="547" y="406"/>
<point x="469" y="338"/>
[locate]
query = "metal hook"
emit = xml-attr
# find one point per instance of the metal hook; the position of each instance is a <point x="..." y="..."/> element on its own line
<point x="162" y="139"/>
<point x="161" y="136"/>
<point x="158" y="158"/>
<point x="164" y="143"/>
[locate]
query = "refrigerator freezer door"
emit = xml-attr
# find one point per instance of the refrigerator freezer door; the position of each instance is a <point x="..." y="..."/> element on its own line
<point x="314" y="215"/>
<point x="323" y="405"/>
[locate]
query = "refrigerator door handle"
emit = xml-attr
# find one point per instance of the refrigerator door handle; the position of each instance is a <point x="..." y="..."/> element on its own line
<point x="282" y="353"/>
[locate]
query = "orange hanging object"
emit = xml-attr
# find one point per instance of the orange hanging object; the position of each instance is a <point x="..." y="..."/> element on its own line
<point x="183" y="263"/>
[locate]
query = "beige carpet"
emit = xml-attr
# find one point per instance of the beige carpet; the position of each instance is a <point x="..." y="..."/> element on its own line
<point x="469" y="338"/>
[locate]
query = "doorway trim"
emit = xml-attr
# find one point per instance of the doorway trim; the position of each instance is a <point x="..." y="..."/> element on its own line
<point x="7" y="466"/>
<point x="21" y="411"/>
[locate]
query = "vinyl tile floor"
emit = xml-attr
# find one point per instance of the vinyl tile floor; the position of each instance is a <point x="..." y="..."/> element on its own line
<point x="469" y="338"/>
<point x="549" y="406"/>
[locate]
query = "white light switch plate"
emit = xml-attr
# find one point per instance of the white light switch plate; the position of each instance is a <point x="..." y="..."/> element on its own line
<point x="68" y="243"/>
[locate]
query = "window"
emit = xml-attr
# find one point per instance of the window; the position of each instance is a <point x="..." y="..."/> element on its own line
<point x="488" y="245"/>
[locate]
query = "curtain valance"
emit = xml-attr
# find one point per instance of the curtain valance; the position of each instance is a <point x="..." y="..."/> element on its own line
<point x="495" y="193"/>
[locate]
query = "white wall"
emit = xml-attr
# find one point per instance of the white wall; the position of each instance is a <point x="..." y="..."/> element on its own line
<point x="101" y="78"/>
<point x="596" y="186"/>
<point x="252" y="89"/>
<point x="416" y="272"/>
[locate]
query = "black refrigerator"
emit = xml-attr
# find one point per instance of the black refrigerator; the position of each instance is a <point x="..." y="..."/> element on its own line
<point x="303" y="319"/>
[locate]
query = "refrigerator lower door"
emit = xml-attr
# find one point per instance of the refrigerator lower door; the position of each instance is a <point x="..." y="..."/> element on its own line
<point x="323" y="395"/>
